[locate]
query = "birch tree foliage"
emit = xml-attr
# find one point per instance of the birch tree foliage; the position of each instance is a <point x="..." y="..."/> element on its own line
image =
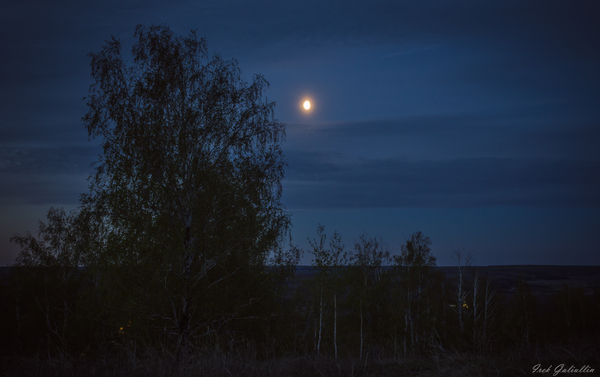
<point x="328" y="264"/>
<point x="415" y="261"/>
<point x="368" y="285"/>
<point x="189" y="179"/>
<point x="415" y="268"/>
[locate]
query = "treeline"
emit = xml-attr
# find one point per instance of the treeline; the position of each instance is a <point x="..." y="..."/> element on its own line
<point x="367" y="301"/>
<point x="361" y="302"/>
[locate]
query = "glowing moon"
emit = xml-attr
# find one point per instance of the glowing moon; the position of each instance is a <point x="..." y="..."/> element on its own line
<point x="306" y="105"/>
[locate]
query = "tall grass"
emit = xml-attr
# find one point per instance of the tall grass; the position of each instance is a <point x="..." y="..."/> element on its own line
<point x="132" y="361"/>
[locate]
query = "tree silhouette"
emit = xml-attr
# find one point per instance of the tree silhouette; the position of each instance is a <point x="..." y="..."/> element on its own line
<point x="368" y="283"/>
<point x="188" y="183"/>
<point x="47" y="273"/>
<point x="415" y="268"/>
<point x="328" y="264"/>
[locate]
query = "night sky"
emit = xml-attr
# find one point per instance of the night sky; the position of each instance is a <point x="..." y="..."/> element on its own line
<point x="475" y="122"/>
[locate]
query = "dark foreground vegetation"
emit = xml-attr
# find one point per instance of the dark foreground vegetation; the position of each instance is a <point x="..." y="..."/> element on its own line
<point x="377" y="323"/>
<point x="176" y="262"/>
<point x="212" y="365"/>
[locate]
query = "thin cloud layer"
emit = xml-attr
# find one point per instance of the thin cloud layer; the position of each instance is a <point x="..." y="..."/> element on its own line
<point x="443" y="137"/>
<point x="326" y="182"/>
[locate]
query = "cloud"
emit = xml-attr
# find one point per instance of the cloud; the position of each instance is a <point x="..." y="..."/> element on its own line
<point x="553" y="27"/>
<point x="44" y="159"/>
<point x="516" y="134"/>
<point x="317" y="181"/>
<point x="43" y="174"/>
<point x="41" y="189"/>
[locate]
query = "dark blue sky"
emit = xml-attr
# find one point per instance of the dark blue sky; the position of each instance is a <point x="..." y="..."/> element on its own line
<point x="475" y="122"/>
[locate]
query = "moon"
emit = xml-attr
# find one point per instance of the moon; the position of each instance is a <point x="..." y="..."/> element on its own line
<point x="306" y="105"/>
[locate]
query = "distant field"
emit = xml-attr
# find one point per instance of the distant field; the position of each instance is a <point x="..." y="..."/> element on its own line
<point x="543" y="280"/>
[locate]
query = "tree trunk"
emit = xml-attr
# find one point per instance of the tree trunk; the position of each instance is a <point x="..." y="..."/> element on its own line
<point x="335" y="325"/>
<point x="18" y="317"/>
<point x="485" y="312"/>
<point x="475" y="286"/>
<point x="315" y="341"/>
<point x="405" y="329"/>
<point x="184" y="331"/>
<point x="460" y="301"/>
<point x="395" y="340"/>
<point x="361" y="333"/>
<point x="184" y="318"/>
<point x="320" y="321"/>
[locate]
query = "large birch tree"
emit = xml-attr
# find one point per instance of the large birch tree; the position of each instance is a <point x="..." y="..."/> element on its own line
<point x="188" y="183"/>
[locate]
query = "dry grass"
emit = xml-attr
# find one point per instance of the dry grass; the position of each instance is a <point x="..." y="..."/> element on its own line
<point x="161" y="364"/>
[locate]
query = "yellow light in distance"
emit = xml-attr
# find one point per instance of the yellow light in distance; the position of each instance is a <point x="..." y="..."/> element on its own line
<point x="306" y="105"/>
